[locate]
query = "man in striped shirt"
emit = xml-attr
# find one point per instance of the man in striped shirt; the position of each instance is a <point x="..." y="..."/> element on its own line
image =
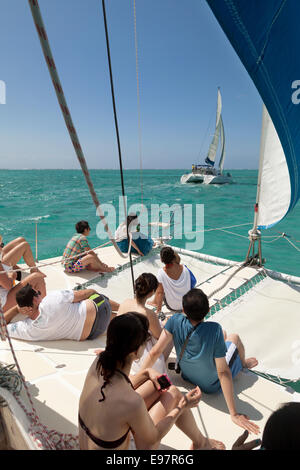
<point x="74" y="259"/>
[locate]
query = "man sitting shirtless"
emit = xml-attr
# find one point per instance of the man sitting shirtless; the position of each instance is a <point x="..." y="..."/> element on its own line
<point x="61" y="314"/>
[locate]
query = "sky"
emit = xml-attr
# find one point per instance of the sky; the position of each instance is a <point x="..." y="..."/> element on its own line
<point x="183" y="56"/>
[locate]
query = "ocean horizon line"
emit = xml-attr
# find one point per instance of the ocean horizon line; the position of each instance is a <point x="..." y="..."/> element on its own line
<point x="115" y="169"/>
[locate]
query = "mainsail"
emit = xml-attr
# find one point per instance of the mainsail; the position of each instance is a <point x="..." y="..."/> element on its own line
<point x="221" y="162"/>
<point x="210" y="159"/>
<point x="264" y="34"/>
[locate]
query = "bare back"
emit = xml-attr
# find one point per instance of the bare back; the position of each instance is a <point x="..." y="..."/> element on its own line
<point x="107" y="420"/>
<point x="174" y="271"/>
<point x="132" y="305"/>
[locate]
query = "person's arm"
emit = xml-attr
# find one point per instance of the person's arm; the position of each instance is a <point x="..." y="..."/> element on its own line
<point x="225" y="378"/>
<point x="142" y="376"/>
<point x="84" y="294"/>
<point x="158" y="349"/>
<point x="137" y="248"/>
<point x="6" y="281"/>
<point x="11" y="313"/>
<point x="141" y="423"/>
<point x="159" y="296"/>
<point x="154" y="325"/>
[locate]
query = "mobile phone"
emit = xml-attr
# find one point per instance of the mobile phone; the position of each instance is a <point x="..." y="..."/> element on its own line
<point x="164" y="381"/>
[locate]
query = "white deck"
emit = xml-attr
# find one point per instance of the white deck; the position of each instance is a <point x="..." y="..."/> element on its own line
<point x="55" y="371"/>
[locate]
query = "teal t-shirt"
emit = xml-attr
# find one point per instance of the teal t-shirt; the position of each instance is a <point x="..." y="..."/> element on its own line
<point x="205" y="343"/>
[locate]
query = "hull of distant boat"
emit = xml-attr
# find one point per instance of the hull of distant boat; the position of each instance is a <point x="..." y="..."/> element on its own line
<point x="206" y="179"/>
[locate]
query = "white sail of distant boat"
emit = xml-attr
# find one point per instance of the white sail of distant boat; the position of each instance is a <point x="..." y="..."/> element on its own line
<point x="212" y="151"/>
<point x="222" y="158"/>
<point x="207" y="173"/>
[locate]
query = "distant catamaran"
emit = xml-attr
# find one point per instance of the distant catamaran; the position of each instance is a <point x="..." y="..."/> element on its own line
<point x="208" y="174"/>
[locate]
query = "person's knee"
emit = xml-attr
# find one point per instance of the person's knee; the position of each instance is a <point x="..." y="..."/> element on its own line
<point x="35" y="277"/>
<point x="234" y="338"/>
<point x="23" y="244"/>
<point x="175" y="394"/>
<point x="87" y="259"/>
<point x="20" y="240"/>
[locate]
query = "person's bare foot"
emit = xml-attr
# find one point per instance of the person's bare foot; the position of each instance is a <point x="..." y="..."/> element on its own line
<point x="250" y="362"/>
<point x="210" y="444"/>
<point x="107" y="269"/>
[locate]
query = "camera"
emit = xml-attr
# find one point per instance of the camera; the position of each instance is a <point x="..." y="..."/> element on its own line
<point x="172" y="366"/>
<point x="164" y="381"/>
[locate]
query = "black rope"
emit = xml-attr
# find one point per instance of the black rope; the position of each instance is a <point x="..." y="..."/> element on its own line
<point x="117" y="132"/>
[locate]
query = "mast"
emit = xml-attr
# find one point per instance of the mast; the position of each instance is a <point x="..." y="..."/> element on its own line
<point x="221" y="163"/>
<point x="254" y="233"/>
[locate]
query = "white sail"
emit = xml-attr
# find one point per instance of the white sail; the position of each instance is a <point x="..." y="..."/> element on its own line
<point x="210" y="159"/>
<point x="274" y="188"/>
<point x="221" y="163"/>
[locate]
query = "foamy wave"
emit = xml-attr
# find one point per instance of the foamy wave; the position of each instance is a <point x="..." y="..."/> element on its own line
<point x="39" y="217"/>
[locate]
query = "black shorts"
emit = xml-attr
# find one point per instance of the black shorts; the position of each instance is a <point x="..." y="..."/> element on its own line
<point x="103" y="315"/>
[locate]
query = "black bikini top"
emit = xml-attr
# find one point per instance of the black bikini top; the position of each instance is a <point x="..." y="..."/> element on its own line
<point x="96" y="440"/>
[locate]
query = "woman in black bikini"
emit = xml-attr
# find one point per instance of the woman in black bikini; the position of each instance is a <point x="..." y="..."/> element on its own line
<point x="114" y="407"/>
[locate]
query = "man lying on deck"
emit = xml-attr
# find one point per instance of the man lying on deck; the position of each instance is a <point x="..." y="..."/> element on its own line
<point x="207" y="361"/>
<point x="61" y="314"/>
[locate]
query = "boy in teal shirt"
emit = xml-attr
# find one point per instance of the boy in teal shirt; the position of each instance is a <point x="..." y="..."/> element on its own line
<point x="208" y="361"/>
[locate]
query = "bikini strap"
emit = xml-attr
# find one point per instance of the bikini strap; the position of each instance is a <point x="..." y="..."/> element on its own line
<point x="106" y="382"/>
<point x="125" y="377"/>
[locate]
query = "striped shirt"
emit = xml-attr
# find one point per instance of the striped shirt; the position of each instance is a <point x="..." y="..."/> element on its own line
<point x="78" y="244"/>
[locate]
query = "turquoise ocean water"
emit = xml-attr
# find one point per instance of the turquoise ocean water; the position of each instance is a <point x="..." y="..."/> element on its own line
<point x="57" y="199"/>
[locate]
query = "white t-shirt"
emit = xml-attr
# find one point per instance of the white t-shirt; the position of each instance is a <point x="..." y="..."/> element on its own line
<point x="59" y="318"/>
<point x="121" y="232"/>
<point x="175" y="289"/>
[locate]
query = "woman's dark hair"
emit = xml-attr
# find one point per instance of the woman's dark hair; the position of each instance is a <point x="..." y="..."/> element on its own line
<point x="281" y="431"/>
<point x="130" y="218"/>
<point x="24" y="296"/>
<point x="145" y="284"/>
<point x="81" y="226"/>
<point x="125" y="334"/>
<point x="195" y="304"/>
<point x="167" y="255"/>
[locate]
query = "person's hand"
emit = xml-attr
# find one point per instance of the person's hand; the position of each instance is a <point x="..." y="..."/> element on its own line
<point x="213" y="444"/>
<point x="191" y="399"/>
<point x="152" y="374"/>
<point x="12" y="275"/>
<point x="244" y="422"/>
<point x="98" y="351"/>
<point x="26" y="311"/>
<point x="240" y="444"/>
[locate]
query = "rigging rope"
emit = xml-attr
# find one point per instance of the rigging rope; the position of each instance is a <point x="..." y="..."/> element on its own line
<point x="44" y="438"/>
<point x="117" y="134"/>
<point x="37" y="17"/>
<point x="138" y="102"/>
